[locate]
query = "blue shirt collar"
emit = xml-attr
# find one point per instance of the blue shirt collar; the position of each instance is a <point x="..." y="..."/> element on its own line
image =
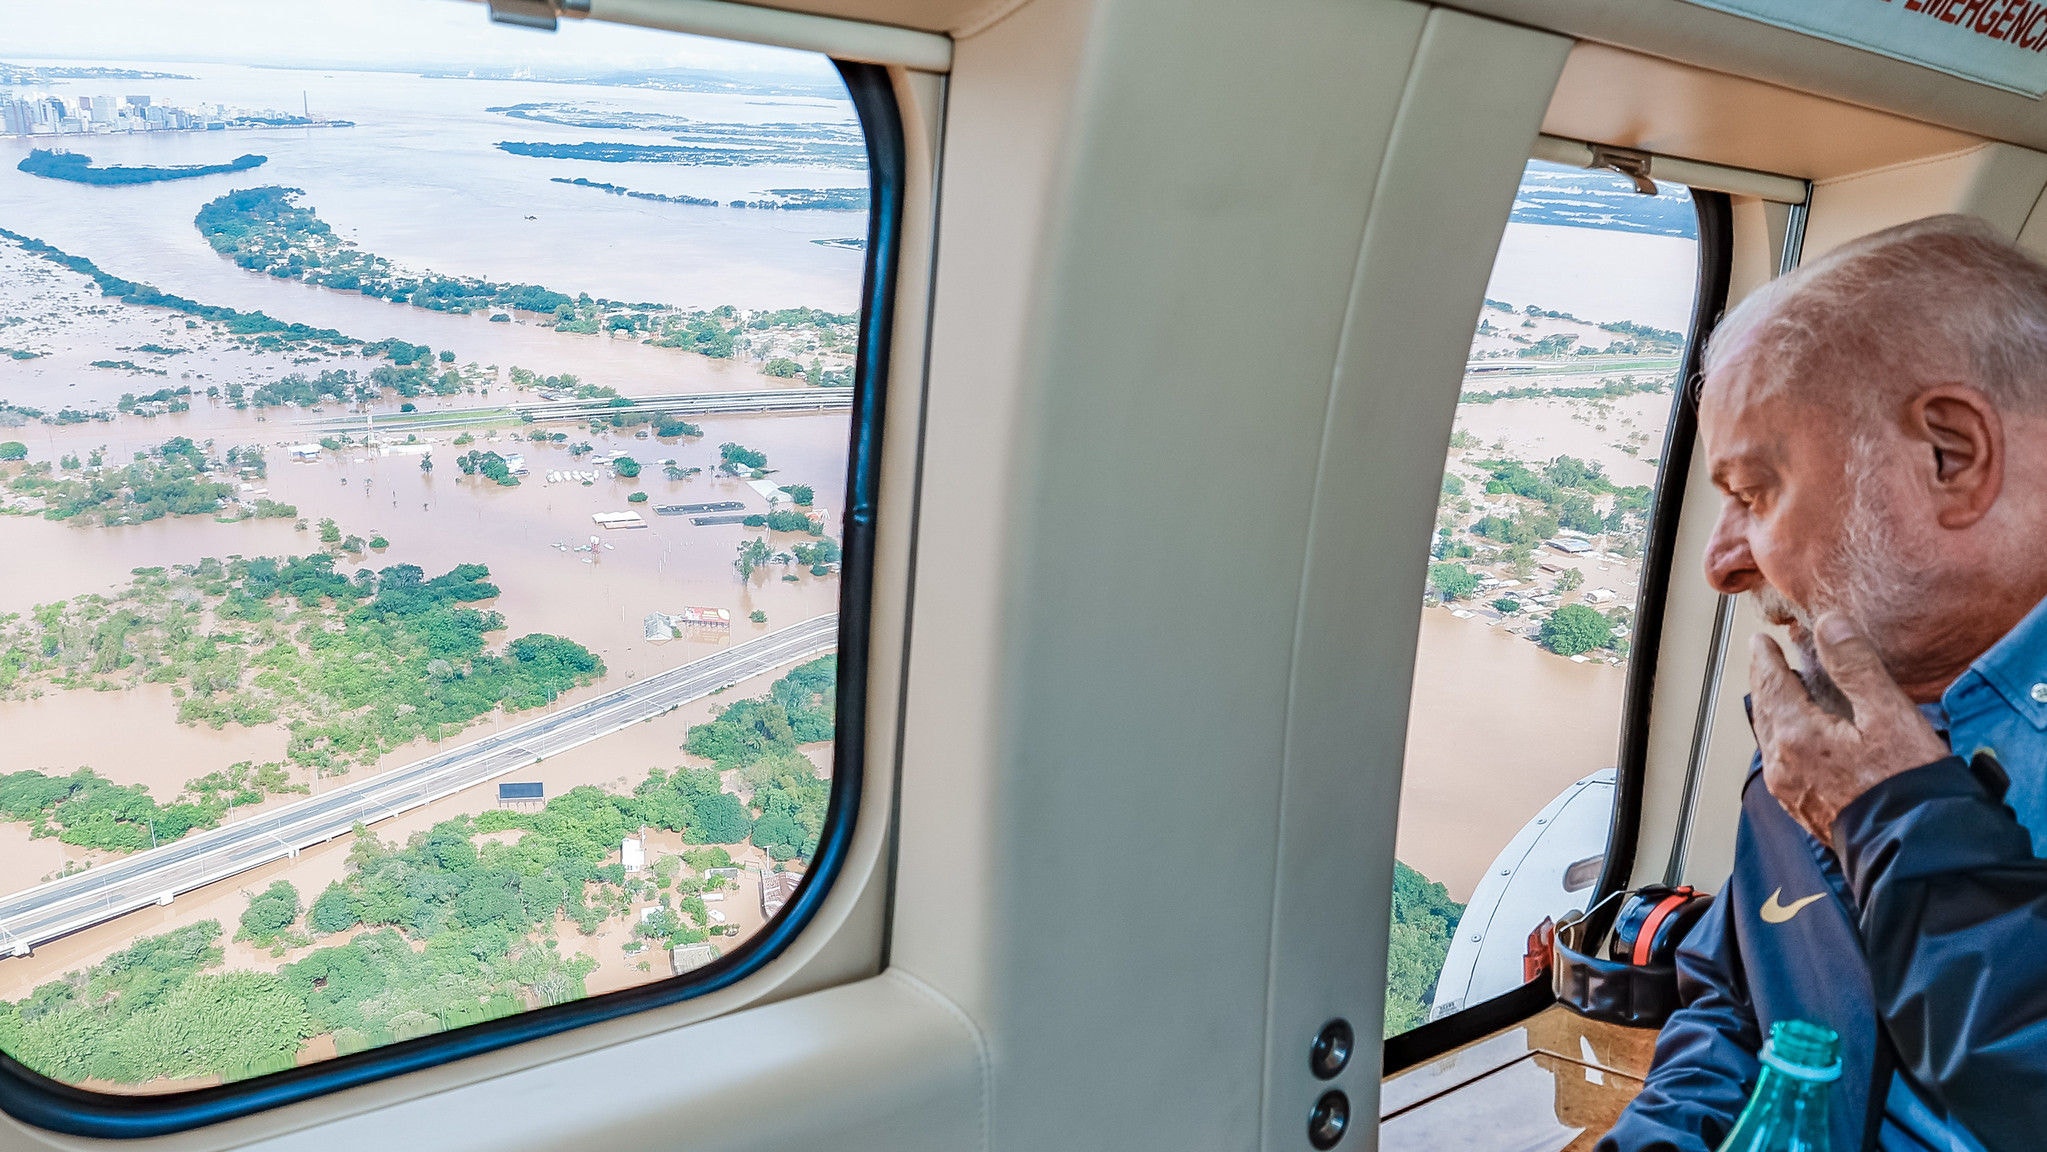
<point x="2011" y="669"/>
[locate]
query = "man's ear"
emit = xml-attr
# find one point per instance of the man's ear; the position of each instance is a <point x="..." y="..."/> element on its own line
<point x="1961" y="428"/>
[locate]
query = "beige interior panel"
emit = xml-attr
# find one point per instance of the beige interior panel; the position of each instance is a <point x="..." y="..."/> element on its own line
<point x="1759" y="228"/>
<point x="1729" y="750"/>
<point x="1467" y="120"/>
<point x="1007" y="118"/>
<point x="1657" y="105"/>
<point x="799" y="1074"/>
<point x="1176" y="392"/>
<point x="1998" y="182"/>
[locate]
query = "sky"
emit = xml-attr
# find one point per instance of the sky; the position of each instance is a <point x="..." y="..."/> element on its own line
<point x="340" y="33"/>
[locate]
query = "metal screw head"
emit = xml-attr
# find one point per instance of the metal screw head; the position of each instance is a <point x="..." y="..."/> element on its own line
<point x="1332" y="1048"/>
<point x="1329" y="1120"/>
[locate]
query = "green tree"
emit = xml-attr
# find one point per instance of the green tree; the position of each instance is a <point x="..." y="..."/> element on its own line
<point x="737" y="456"/>
<point x="334" y="911"/>
<point x="1452" y="581"/>
<point x="1577" y="513"/>
<point x="330" y="532"/>
<point x="753" y="554"/>
<point x="1571" y="472"/>
<point x="800" y="494"/>
<point x="1424" y="916"/>
<point x="625" y="467"/>
<point x="270" y="913"/>
<point x="1572" y="578"/>
<point x="1574" y="629"/>
<point x="1506" y="606"/>
<point x="721" y="819"/>
<point x="758" y="616"/>
<point x="13" y="450"/>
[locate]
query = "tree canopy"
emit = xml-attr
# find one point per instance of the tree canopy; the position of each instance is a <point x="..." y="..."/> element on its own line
<point x="1452" y="581"/>
<point x="1574" y="629"/>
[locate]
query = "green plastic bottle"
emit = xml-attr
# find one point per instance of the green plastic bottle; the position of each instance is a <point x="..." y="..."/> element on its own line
<point x="1788" y="1112"/>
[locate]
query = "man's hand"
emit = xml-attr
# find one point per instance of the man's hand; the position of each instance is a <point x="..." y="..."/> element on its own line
<point x="1816" y="763"/>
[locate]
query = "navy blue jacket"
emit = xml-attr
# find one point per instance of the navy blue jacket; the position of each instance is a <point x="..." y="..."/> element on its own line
<point x="1942" y="936"/>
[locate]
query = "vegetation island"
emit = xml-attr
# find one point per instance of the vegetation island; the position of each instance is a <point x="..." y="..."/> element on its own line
<point x="797" y="144"/>
<point x="79" y="169"/>
<point x="352" y="666"/>
<point x="268" y="230"/>
<point x="177" y="478"/>
<point x="829" y="199"/>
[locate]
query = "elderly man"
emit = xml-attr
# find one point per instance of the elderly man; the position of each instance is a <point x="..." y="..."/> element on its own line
<point x="1877" y="423"/>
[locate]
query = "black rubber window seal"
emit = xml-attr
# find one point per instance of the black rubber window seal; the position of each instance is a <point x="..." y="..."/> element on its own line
<point x="33" y="1098"/>
<point x="1716" y="258"/>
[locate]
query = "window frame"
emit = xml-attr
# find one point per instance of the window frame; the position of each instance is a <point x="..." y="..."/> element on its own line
<point x="1716" y="258"/>
<point x="57" y="1106"/>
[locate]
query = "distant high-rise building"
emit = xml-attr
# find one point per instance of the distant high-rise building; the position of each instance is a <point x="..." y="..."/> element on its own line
<point x="138" y="101"/>
<point x="103" y="109"/>
<point x="14" y="117"/>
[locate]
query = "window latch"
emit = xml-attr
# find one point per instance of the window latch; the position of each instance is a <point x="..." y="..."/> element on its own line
<point x="541" y="14"/>
<point x="1626" y="161"/>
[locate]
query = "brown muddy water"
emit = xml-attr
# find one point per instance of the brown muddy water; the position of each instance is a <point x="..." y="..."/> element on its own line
<point x="1496" y="729"/>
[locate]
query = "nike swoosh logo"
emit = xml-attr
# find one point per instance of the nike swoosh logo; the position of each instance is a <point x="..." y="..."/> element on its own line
<point x="1774" y="912"/>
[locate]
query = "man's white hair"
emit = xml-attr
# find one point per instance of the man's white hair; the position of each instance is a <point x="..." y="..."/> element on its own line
<point x="1944" y="299"/>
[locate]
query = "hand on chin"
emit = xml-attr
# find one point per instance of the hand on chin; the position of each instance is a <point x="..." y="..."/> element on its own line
<point x="1845" y="729"/>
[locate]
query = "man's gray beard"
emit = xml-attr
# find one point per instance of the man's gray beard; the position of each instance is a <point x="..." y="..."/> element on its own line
<point x="1869" y="579"/>
<point x="1818" y="684"/>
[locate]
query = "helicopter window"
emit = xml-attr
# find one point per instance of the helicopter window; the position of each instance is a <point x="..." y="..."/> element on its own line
<point x="437" y="477"/>
<point x="1529" y="619"/>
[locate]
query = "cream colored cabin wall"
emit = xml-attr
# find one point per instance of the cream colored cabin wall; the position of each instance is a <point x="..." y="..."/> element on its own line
<point x="1007" y="130"/>
<point x="1184" y="333"/>
<point x="1759" y="228"/>
<point x="1246" y="342"/>
<point x="1998" y="182"/>
<point x="1633" y="100"/>
<point x="1468" y="116"/>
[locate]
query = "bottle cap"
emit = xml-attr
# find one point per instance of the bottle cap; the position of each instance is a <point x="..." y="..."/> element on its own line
<point x="1803" y="1050"/>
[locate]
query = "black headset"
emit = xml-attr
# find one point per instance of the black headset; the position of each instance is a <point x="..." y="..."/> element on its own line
<point x="1635" y="982"/>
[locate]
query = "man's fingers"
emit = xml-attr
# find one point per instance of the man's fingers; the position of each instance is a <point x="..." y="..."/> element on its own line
<point x="1774" y="689"/>
<point x="1852" y="663"/>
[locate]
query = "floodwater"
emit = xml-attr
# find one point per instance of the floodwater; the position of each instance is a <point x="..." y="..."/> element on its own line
<point x="1544" y="429"/>
<point x="421" y="182"/>
<point x="1598" y="275"/>
<point x="1496" y="729"/>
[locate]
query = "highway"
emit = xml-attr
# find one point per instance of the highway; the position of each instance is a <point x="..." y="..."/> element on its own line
<point x="765" y="400"/>
<point x="82" y="899"/>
